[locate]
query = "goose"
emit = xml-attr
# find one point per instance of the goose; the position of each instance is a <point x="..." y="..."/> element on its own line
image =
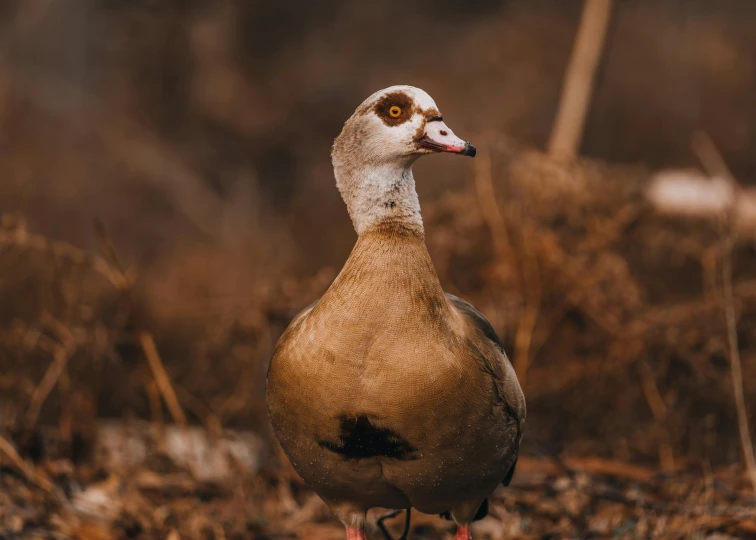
<point x="387" y="392"/>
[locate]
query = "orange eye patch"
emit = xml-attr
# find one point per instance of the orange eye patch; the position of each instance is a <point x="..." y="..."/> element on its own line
<point x="394" y="108"/>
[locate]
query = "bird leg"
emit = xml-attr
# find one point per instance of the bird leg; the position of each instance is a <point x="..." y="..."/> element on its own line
<point x="463" y="533"/>
<point x="356" y="534"/>
<point x="389" y="515"/>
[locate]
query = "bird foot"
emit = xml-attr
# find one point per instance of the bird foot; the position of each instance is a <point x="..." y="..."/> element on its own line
<point x="356" y="534"/>
<point x="463" y="533"/>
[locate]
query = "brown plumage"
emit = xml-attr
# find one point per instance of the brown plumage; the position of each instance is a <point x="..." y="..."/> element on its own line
<point x="388" y="392"/>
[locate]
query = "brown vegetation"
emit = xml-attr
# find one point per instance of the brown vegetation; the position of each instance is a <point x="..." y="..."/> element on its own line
<point x="166" y="214"/>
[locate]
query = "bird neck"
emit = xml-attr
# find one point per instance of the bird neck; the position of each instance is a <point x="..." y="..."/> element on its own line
<point x="379" y="196"/>
<point x="389" y="273"/>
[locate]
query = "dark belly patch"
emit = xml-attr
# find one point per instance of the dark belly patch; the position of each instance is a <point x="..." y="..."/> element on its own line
<point x="359" y="438"/>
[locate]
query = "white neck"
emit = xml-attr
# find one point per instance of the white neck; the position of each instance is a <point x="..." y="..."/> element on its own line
<point x="379" y="194"/>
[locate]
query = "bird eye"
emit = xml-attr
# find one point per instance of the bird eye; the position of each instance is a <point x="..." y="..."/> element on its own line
<point x="395" y="111"/>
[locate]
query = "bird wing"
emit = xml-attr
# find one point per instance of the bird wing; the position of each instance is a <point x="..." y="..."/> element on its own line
<point x="495" y="361"/>
<point x="505" y="380"/>
<point x="477" y="318"/>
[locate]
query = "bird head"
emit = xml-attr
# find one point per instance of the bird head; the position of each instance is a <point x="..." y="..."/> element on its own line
<point x="398" y="124"/>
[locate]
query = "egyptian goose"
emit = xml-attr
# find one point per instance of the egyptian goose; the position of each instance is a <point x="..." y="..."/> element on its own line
<point x="387" y="392"/>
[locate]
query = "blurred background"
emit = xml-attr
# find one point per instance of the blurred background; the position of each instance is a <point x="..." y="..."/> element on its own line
<point x="167" y="205"/>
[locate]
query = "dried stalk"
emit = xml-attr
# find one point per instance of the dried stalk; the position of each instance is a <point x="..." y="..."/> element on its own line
<point x="61" y="356"/>
<point x="146" y="341"/>
<point x="20" y="237"/>
<point x="503" y="248"/>
<point x="736" y="371"/>
<point x="578" y="82"/>
<point x="488" y="206"/>
<point x="529" y="317"/>
<point x="715" y="166"/>
<point x="153" y="396"/>
<point x="162" y="379"/>
<point x="197" y="407"/>
<point x="659" y="410"/>
<point x="65" y="422"/>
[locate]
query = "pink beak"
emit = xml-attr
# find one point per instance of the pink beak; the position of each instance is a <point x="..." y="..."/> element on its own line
<point x="440" y="138"/>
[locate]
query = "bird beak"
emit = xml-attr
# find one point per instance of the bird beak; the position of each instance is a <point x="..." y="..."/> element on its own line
<point x="439" y="138"/>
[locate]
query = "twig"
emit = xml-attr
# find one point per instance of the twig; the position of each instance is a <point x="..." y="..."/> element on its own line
<point x="503" y="247"/>
<point x="578" y="82"/>
<point x="195" y="405"/>
<point x="659" y="410"/>
<point x="153" y="396"/>
<point x="712" y="161"/>
<point x="30" y="472"/>
<point x="161" y="377"/>
<point x="525" y="328"/>
<point x="147" y="342"/>
<point x="110" y="256"/>
<point x="488" y="206"/>
<point x="22" y="238"/>
<point x="65" y="422"/>
<point x="736" y="370"/>
<point x="61" y="355"/>
<point x="68" y="344"/>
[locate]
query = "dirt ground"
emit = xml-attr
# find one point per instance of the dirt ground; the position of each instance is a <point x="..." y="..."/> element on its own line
<point x="173" y="493"/>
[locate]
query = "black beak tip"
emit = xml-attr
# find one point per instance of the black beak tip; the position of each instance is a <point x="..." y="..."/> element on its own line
<point x="469" y="150"/>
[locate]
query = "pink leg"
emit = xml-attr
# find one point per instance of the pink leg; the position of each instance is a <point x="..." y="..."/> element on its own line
<point x="463" y="533"/>
<point x="356" y="534"/>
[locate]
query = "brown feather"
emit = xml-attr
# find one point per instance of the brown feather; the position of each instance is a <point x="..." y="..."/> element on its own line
<point x="385" y="345"/>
